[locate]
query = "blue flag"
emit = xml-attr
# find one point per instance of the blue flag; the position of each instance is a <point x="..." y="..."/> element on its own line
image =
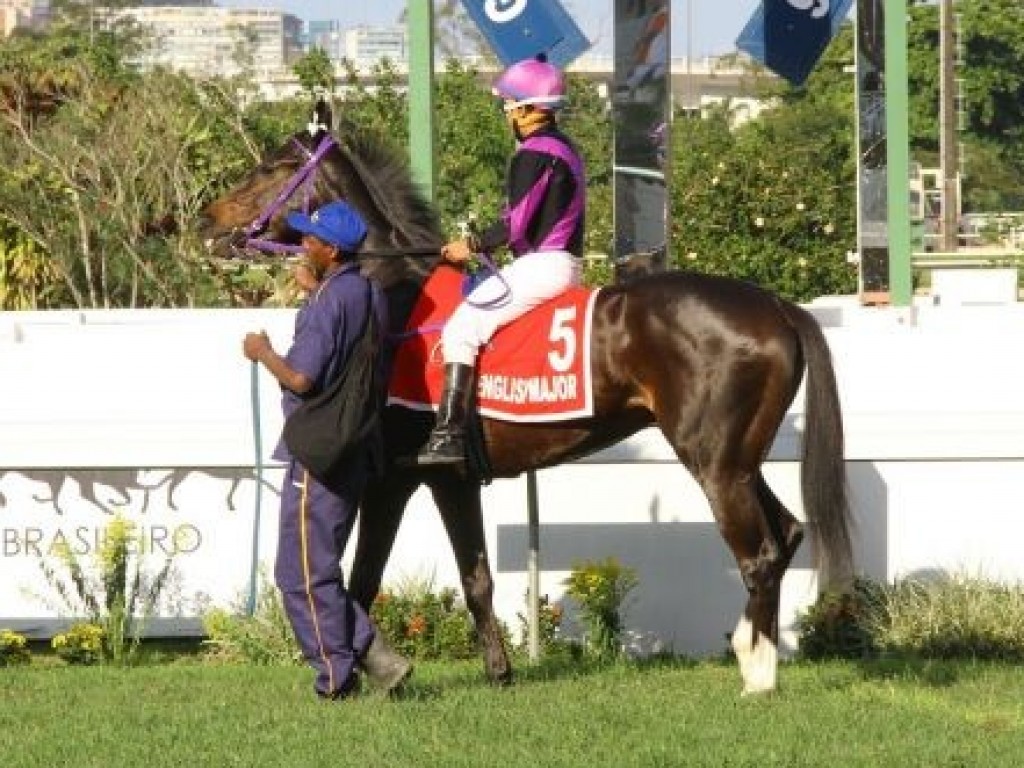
<point x="789" y="36"/>
<point x="521" y="29"/>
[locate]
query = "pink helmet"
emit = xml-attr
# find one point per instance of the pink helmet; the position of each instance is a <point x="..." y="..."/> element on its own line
<point x="532" y="81"/>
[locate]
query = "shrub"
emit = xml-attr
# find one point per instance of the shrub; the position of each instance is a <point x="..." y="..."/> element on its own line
<point x="600" y="589"/>
<point x="956" y="616"/>
<point x="838" y="625"/>
<point x="114" y="594"/>
<point x="416" y="621"/>
<point x="264" y="638"/>
<point x="85" y="643"/>
<point x="949" y="617"/>
<point x="13" y="649"/>
<point x="423" y="624"/>
<point x="549" y="630"/>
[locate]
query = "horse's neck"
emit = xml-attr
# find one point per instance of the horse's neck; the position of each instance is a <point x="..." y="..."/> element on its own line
<point x="402" y="279"/>
<point x="398" y="219"/>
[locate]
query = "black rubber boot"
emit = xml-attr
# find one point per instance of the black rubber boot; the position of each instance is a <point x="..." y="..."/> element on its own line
<point x="446" y="445"/>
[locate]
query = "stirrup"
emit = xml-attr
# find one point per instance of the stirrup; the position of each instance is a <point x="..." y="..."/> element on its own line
<point x="443" y="450"/>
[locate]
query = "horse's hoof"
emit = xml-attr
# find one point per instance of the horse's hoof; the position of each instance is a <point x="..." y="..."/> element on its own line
<point x="503" y="681"/>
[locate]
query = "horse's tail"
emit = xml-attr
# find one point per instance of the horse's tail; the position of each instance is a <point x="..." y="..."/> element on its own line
<point x="823" y="468"/>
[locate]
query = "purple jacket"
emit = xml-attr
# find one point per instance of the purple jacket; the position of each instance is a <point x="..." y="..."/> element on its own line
<point x="546" y="198"/>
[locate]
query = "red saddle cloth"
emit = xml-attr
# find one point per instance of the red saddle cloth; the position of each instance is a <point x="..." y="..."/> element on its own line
<point x="537" y="368"/>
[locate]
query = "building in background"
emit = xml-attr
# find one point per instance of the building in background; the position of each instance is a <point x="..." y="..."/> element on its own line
<point x="23" y="14"/>
<point x="208" y="41"/>
<point x="327" y="35"/>
<point x="366" y="45"/>
<point x="158" y="3"/>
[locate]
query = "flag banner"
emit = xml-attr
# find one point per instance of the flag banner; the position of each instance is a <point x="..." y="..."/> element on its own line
<point x="521" y="29"/>
<point x="789" y="36"/>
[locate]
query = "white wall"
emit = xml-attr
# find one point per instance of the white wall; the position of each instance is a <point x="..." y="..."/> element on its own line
<point x="150" y="413"/>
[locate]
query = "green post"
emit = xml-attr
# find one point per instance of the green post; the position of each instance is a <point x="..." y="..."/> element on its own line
<point x="898" y="151"/>
<point x="420" y="15"/>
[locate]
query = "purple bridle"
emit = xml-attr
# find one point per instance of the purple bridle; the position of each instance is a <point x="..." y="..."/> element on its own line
<point x="305" y="177"/>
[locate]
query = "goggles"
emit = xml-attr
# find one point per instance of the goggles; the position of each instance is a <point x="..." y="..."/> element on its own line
<point x="551" y="102"/>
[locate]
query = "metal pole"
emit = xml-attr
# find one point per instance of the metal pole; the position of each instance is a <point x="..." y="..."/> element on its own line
<point x="421" y="93"/>
<point x="898" y="151"/>
<point x="947" y="127"/>
<point x="533" y="567"/>
<point x="257" y="434"/>
<point x="689" y="106"/>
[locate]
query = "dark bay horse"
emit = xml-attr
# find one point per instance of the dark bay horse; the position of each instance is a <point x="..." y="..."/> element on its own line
<point x="713" y="362"/>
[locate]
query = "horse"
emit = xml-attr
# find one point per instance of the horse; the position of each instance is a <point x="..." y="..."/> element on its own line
<point x="712" y="362"/>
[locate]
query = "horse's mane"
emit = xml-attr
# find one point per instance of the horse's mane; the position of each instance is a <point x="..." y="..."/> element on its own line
<point x="385" y="173"/>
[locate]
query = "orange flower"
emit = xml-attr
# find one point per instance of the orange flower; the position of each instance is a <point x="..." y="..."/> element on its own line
<point x="417" y="625"/>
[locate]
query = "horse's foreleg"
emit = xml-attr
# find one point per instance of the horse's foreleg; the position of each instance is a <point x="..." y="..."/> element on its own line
<point x="458" y="501"/>
<point x="380" y="512"/>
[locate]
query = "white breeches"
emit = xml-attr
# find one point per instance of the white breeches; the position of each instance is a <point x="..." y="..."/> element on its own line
<point x="532" y="279"/>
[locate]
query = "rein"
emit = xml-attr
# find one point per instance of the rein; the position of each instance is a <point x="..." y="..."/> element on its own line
<point x="412" y="252"/>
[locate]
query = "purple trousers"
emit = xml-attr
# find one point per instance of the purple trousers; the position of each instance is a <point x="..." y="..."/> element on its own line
<point x="332" y="629"/>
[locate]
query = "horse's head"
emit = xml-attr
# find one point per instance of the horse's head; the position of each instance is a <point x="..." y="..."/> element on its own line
<point x="317" y="166"/>
<point x="292" y="177"/>
<point x="314" y="167"/>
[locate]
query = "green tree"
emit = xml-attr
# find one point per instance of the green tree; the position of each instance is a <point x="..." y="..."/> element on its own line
<point x="475" y="149"/>
<point x="587" y="120"/>
<point x="26" y="273"/>
<point x="992" y="79"/>
<point x="41" y="71"/>
<point x="89" y="186"/>
<point x="105" y="171"/>
<point x="383" y="109"/>
<point x="772" y="200"/>
<point x="315" y="71"/>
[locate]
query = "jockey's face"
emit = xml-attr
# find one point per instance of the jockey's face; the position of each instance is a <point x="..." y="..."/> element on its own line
<point x="512" y="113"/>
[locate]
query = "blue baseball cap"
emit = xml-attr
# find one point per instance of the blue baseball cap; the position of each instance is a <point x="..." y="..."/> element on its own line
<point x="336" y="223"/>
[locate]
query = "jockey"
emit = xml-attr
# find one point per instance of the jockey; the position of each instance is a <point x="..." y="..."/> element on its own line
<point x="542" y="225"/>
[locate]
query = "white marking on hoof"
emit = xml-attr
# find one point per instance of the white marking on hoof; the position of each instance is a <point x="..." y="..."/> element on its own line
<point x="759" y="661"/>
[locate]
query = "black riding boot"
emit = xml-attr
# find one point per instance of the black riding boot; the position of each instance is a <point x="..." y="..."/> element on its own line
<point x="446" y="444"/>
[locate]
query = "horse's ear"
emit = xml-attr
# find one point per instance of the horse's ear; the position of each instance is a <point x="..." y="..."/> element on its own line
<point x="323" y="113"/>
<point x="322" y="117"/>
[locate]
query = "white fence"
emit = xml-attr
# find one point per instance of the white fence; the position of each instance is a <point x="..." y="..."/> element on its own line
<point x="149" y="413"/>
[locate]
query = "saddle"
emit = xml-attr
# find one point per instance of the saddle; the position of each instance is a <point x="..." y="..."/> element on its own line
<point x="535" y="369"/>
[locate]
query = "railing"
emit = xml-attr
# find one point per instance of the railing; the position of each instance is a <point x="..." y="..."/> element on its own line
<point x="967" y="259"/>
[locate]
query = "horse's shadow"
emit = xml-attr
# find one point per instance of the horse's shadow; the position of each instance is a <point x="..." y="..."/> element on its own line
<point x="933" y="673"/>
<point x="564" y="663"/>
<point x="88" y="483"/>
<point x="122" y="485"/>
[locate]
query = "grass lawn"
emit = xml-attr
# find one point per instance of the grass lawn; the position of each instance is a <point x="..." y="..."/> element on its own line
<point x="558" y="714"/>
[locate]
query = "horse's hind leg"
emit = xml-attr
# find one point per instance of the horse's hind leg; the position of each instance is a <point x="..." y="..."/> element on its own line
<point x="763" y="537"/>
<point x="459" y="504"/>
<point x="786" y="530"/>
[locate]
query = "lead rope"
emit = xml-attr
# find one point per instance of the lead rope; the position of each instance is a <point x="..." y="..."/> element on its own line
<point x="254" y="386"/>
